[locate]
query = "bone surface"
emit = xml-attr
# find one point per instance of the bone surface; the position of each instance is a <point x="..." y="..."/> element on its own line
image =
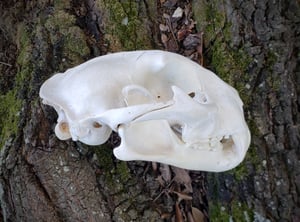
<point x="165" y="107"/>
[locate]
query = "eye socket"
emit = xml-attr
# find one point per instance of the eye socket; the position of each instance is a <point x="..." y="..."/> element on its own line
<point x="97" y="125"/>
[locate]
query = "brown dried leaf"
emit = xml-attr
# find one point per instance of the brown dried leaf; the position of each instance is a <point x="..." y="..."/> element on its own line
<point x="182" y="33"/>
<point x="182" y="177"/>
<point x="165" y="172"/>
<point x="190" y="217"/>
<point x="164" y="39"/>
<point x="182" y="196"/>
<point x="165" y="216"/>
<point x="172" y="45"/>
<point x="198" y="216"/>
<point x="187" y="10"/>
<point x="178" y="213"/>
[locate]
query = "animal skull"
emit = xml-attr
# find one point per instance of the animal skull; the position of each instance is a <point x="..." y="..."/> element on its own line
<point x="165" y="107"/>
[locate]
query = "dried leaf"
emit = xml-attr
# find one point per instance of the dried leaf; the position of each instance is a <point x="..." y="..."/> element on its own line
<point x="178" y="13"/>
<point x="191" y="41"/>
<point x="164" y="38"/>
<point x="165" y="216"/>
<point x="170" y="3"/>
<point x="182" y="177"/>
<point x="182" y="196"/>
<point x="182" y="33"/>
<point x="198" y="216"/>
<point x="187" y="10"/>
<point x="163" y="28"/>
<point x="179" y="217"/>
<point x="190" y="217"/>
<point x="166" y="16"/>
<point x="172" y="45"/>
<point x="165" y="172"/>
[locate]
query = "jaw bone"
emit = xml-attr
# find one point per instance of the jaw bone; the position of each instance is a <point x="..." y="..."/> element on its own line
<point x="151" y="137"/>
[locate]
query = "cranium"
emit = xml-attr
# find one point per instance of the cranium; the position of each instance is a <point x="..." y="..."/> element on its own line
<point x="165" y="107"/>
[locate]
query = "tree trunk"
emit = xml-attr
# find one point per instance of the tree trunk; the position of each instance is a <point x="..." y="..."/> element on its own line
<point x="252" y="45"/>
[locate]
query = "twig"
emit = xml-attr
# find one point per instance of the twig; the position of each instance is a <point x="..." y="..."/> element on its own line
<point x="7" y="64"/>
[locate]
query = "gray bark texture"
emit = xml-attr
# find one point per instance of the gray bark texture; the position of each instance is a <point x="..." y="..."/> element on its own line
<point x="253" y="45"/>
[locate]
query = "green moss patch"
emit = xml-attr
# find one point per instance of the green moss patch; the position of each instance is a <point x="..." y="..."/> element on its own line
<point x="125" y="28"/>
<point x="229" y="63"/>
<point x="68" y="38"/>
<point x="11" y="102"/>
<point x="10" y="107"/>
<point x="114" y="171"/>
<point x="235" y="212"/>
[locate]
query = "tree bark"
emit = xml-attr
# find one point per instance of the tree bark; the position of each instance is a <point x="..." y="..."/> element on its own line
<point x="252" y="45"/>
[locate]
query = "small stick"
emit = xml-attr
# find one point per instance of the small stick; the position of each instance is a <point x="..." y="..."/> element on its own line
<point x="7" y="64"/>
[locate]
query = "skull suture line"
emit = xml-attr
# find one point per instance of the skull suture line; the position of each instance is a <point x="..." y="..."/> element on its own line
<point x="165" y="107"/>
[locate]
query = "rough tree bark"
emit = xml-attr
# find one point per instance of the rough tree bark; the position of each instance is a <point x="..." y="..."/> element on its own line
<point x="253" y="45"/>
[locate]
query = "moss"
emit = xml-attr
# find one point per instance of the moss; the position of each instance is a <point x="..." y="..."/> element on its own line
<point x="122" y="171"/>
<point x="229" y="63"/>
<point x="64" y="35"/>
<point x="241" y="172"/>
<point x="67" y="38"/>
<point x="235" y="212"/>
<point x="10" y="107"/>
<point x="252" y="156"/>
<point x="114" y="171"/>
<point x="24" y="45"/>
<point x="124" y="26"/>
<point x="24" y="57"/>
<point x="11" y="102"/>
<point x="104" y="154"/>
<point x="209" y="19"/>
<point x="59" y="4"/>
<point x="218" y="213"/>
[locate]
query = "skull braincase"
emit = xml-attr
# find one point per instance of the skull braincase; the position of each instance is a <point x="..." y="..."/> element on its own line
<point x="165" y="107"/>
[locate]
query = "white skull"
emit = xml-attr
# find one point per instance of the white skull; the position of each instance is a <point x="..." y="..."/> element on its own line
<point x="165" y="107"/>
